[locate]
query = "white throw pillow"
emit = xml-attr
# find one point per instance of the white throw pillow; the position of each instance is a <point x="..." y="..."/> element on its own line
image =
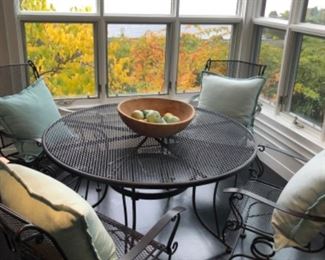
<point x="236" y="98"/>
<point x="305" y="193"/>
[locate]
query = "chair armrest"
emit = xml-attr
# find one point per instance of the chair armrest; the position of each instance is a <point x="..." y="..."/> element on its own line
<point x="152" y="233"/>
<point x="274" y="205"/>
<point x="4" y="134"/>
<point x="258" y="108"/>
<point x="194" y="101"/>
<point x="64" y="110"/>
<point x="262" y="148"/>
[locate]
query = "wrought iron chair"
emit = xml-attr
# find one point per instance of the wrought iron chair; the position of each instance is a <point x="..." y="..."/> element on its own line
<point x="252" y="207"/>
<point x="13" y="79"/>
<point x="235" y="68"/>
<point x="23" y="240"/>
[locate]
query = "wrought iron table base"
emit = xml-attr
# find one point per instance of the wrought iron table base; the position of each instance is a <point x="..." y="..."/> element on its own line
<point x="136" y="195"/>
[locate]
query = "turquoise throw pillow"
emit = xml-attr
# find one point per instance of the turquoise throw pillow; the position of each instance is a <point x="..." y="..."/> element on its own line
<point x="304" y="193"/>
<point x="236" y="98"/>
<point x="26" y="115"/>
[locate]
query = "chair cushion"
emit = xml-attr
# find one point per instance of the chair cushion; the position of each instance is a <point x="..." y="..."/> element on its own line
<point x="26" y="115"/>
<point x="305" y="193"/>
<point x="236" y="98"/>
<point x="57" y="209"/>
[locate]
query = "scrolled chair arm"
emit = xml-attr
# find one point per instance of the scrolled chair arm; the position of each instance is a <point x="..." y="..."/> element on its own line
<point x="169" y="216"/>
<point x="275" y="205"/>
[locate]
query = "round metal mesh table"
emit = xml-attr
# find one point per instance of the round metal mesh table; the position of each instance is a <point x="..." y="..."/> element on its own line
<point x="95" y="143"/>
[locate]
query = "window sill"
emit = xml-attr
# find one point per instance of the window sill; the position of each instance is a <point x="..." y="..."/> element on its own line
<point x="280" y="131"/>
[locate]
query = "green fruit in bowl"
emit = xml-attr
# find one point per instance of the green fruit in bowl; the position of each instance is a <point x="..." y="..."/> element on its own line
<point x="146" y="112"/>
<point x="153" y="117"/>
<point x="170" y="118"/>
<point x="137" y="114"/>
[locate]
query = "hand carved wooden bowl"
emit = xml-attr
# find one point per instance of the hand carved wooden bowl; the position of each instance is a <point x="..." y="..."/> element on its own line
<point x="184" y="111"/>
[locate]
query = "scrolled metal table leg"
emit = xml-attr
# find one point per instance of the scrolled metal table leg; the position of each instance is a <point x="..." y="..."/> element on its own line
<point x="102" y="198"/>
<point x="125" y="210"/>
<point x="217" y="236"/>
<point x="215" y="207"/>
<point x="134" y="212"/>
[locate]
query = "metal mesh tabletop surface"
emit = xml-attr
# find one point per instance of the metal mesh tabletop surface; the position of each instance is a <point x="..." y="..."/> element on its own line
<point x="97" y="144"/>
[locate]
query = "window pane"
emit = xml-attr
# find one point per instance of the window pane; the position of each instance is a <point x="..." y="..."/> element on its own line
<point x="308" y="100"/>
<point x="198" y="43"/>
<point x="62" y="6"/>
<point x="136" y="58"/>
<point x="137" y="7"/>
<point x="277" y="9"/>
<point x="271" y="55"/>
<point x="316" y="12"/>
<point x="208" y="7"/>
<point x="64" y="55"/>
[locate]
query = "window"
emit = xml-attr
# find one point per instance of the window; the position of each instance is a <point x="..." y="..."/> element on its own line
<point x="136" y="58"/>
<point x="295" y="57"/>
<point x="279" y="9"/>
<point x="130" y="47"/>
<point x="208" y="7"/>
<point x="137" y="7"/>
<point x="316" y="12"/>
<point x="308" y="99"/>
<point x="271" y="54"/>
<point x="198" y="43"/>
<point x="64" y="55"/>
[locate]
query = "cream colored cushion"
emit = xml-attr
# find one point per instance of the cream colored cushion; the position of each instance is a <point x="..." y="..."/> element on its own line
<point x="57" y="209"/>
<point x="305" y="192"/>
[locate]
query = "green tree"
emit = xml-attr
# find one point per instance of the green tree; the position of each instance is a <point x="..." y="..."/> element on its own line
<point x="309" y="91"/>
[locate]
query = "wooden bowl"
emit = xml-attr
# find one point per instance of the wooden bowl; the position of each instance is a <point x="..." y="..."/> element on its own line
<point x="184" y="111"/>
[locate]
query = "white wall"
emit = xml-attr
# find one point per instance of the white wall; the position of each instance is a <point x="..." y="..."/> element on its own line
<point x="4" y="53"/>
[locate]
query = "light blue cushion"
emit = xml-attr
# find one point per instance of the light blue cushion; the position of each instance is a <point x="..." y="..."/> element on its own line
<point x="26" y="115"/>
<point x="305" y="193"/>
<point x="236" y="98"/>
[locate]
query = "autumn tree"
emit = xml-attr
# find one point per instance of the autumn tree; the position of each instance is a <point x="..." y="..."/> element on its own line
<point x="63" y="53"/>
<point x="195" y="49"/>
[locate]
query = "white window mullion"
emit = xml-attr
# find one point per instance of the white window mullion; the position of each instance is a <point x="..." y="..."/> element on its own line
<point x="172" y="52"/>
<point x="248" y="36"/>
<point x="101" y="36"/>
<point x="292" y="44"/>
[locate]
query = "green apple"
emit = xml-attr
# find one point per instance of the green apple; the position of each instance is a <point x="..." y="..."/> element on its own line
<point x="170" y="118"/>
<point x="153" y="117"/>
<point x="137" y="114"/>
<point x="146" y="112"/>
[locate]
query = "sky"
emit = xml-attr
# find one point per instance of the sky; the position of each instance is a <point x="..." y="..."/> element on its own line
<point x="187" y="7"/>
<point x="153" y="6"/>
<point x="207" y="7"/>
<point x="283" y="5"/>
